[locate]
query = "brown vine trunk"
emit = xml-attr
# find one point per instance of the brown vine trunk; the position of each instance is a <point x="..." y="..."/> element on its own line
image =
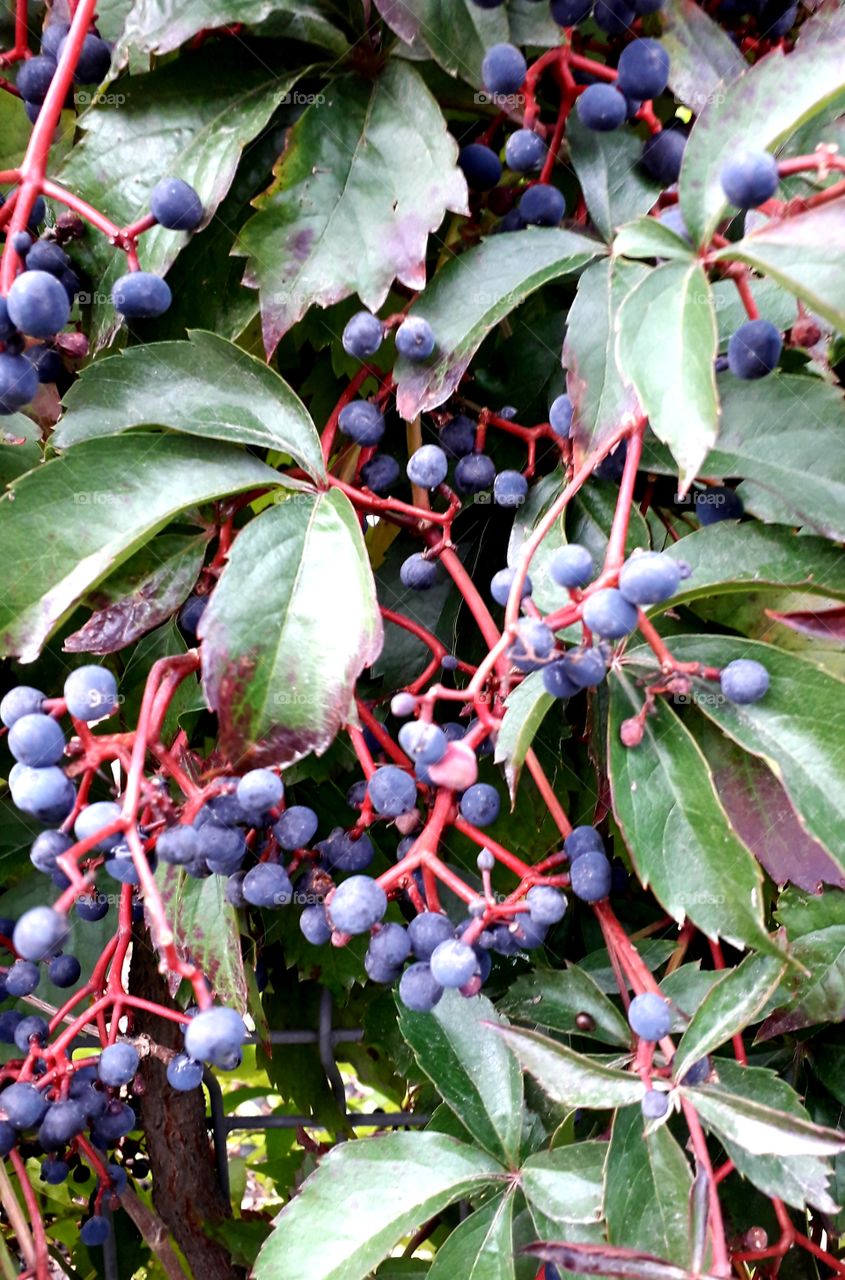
<point x="186" y="1192"/>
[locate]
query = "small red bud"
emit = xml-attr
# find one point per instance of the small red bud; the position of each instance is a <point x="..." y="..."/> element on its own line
<point x="631" y="732"/>
<point x="756" y="1238"/>
<point x="805" y="332"/>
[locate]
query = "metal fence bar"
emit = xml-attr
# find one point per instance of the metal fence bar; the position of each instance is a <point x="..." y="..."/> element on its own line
<point x="326" y="1038"/>
<point x="356" y="1120"/>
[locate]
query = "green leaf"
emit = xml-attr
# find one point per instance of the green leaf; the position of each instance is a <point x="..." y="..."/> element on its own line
<point x="798" y="1179"/>
<point x="568" y="1077"/>
<point x="600" y="398"/>
<point x="772" y="302"/>
<point x="481" y="1248"/>
<point x="525" y="709"/>
<point x="671" y="312"/>
<point x="307" y="21"/>
<point x="206" y="387"/>
<point x="679" y="835"/>
<point x="160" y="26"/>
<point x="67" y="525"/>
<point x="366" y="175"/>
<point x="192" y="117"/>
<point x="731" y="558"/>
<point x="787" y="434"/>
<point x="757" y="110"/>
<point x="590" y="517"/>
<point x="804" y="254"/>
<point x="471" y="1069"/>
<point x="471" y="294"/>
<point x="364" y="1197"/>
<point x="567" y="1184"/>
<point x="277" y="668"/>
<point x="555" y="998"/>
<point x="760" y="1129"/>
<point x="702" y="56"/>
<point x="456" y="33"/>
<point x="614" y="185"/>
<point x="796" y="728"/>
<point x="206" y="931"/>
<point x="650" y="238"/>
<point x="654" y="952"/>
<point x="142" y="594"/>
<point x="815" y="925"/>
<point x="648" y="1190"/>
<point x="731" y="1005"/>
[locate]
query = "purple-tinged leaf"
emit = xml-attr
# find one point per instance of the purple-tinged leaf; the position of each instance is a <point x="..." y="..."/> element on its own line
<point x="291" y="624"/>
<point x="368" y="172"/>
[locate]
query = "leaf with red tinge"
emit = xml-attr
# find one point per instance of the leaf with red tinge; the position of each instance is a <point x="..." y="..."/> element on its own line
<point x="144" y="592"/>
<point x="369" y="170"/>
<point x="605" y="1260"/>
<point x="291" y="624"/>
<point x="456" y="33"/>
<point x="826" y="624"/>
<point x="206" y="932"/>
<point x="804" y="254"/>
<point x="68" y="524"/>
<point x="471" y="294"/>
<point x="600" y="397"/>
<point x="762" y="815"/>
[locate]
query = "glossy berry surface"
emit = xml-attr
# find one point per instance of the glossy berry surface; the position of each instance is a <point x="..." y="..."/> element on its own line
<point x="662" y="155"/>
<point x="357" y="904"/>
<point x="176" y="205"/>
<point x="744" y="681"/>
<point x="91" y="693"/>
<point x="392" y="791"/>
<point x="750" y="179"/>
<point x="215" y="1036"/>
<point x="481" y="166"/>
<point x="525" y="151"/>
<point x="415" y="339"/>
<point x="754" y="350"/>
<point x="654" y="1104"/>
<point x="362" y="335"/>
<point x="643" y="69"/>
<point x="118" y="1064"/>
<point x="503" y="69"/>
<point x="609" y="614"/>
<point x="560" y="416"/>
<point x="542" y="206"/>
<point x="362" y="422"/>
<point x="37" y="740"/>
<point x="419" y="990"/>
<point x="417" y="573"/>
<point x="427" y="466"/>
<point x="38" y="305"/>
<point x="475" y="473"/>
<point x="510" y="489"/>
<point x="590" y="876"/>
<point x="649" y="1016"/>
<point x="568" y="13"/>
<point x="572" y="566"/>
<point x="480" y="804"/>
<point x="23" y="700"/>
<point x="141" y="295"/>
<point x="501" y="582"/>
<point x="601" y="108"/>
<point x="649" y="578"/>
<point x="452" y="963"/>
